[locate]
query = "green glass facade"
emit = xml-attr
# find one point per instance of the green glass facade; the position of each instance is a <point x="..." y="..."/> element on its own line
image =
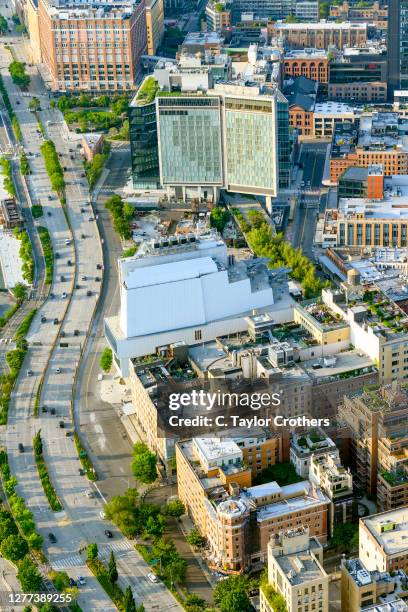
<point x="143" y="146"/>
<point x="250" y="145"/>
<point x="190" y="140"/>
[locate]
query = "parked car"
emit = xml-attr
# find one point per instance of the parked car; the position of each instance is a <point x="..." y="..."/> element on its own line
<point x="21" y="448"/>
<point x="61" y="424"/>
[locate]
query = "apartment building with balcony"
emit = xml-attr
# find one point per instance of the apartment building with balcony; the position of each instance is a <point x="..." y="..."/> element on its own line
<point x="218" y="15"/>
<point x="336" y="481"/>
<point x="304" y="446"/>
<point x="376" y="422"/>
<point x="295" y="571"/>
<point x="238" y="519"/>
<point x="94" y="48"/>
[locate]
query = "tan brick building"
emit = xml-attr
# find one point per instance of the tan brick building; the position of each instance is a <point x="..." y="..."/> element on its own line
<point x="97" y="48"/>
<point x="238" y="519"/>
<point x="383" y="540"/>
<point x="155" y="24"/>
<point x="320" y="35"/>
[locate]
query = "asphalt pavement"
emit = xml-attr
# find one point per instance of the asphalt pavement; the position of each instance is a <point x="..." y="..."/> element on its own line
<point x="79" y="523"/>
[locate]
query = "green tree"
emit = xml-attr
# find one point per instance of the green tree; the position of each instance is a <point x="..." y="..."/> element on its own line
<point x="29" y="576"/>
<point x="35" y="540"/>
<point x="112" y="569"/>
<point x="194" y="538"/>
<point x="128" y="211"/>
<point x="128" y="601"/>
<point x="176" y="570"/>
<point x="155" y="525"/>
<point x="194" y="603"/>
<point x="174" y="508"/>
<point x="35" y="104"/>
<point x="218" y="218"/>
<point x="19" y="291"/>
<point x="37" y="444"/>
<point x="230" y="585"/>
<point x="7" y="526"/>
<point x="18" y="74"/>
<point x="14" y="548"/>
<point x="105" y="361"/>
<point x="123" y="511"/>
<point x="61" y="581"/>
<point x="235" y="601"/>
<point x="144" y="463"/>
<point x="3" y="24"/>
<point x="92" y="552"/>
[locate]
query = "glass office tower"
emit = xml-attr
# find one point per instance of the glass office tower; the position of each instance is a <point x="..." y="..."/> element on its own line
<point x="143" y="145"/>
<point x="397" y="46"/>
<point x="189" y="137"/>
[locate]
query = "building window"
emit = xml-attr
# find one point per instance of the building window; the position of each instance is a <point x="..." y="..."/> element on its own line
<point x="197" y="334"/>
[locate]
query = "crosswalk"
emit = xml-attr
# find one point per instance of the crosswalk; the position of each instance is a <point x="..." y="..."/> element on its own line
<point x="103" y="553"/>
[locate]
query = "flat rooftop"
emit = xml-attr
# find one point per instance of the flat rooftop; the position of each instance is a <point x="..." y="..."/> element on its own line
<point x="321" y="25"/>
<point x="300" y="568"/>
<point x="216" y="448"/>
<point x="390" y="530"/>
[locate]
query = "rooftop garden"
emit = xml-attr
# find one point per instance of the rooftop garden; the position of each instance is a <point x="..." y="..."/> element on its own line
<point x="322" y="313"/>
<point x="395" y="478"/>
<point x="147" y="91"/>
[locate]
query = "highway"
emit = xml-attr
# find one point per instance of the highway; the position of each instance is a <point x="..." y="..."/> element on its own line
<point x="75" y="290"/>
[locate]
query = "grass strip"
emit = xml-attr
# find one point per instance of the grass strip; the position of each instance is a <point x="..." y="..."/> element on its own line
<point x="48" y="253"/>
<point x="23" y="328"/>
<point x="84" y="459"/>
<point x="101" y="574"/>
<point x="47" y="485"/>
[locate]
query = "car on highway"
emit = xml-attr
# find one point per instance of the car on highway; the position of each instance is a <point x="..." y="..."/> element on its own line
<point x="89" y="494"/>
<point x="97" y="279"/>
<point x="50" y="197"/>
<point x="30" y="372"/>
<point x="64" y="295"/>
<point x="44" y="408"/>
<point x="89" y="293"/>
<point x="55" y="321"/>
<point x="58" y="370"/>
<point x="81" y="471"/>
<point x="81" y="580"/>
<point x="49" y="213"/>
<point x="61" y="424"/>
<point x="108" y="533"/>
<point x="152" y="577"/>
<point x="83" y="277"/>
<point x="52" y="538"/>
<point x="98" y="266"/>
<point x="52" y="411"/>
<point x="72" y="582"/>
<point x="67" y="241"/>
<point x="102" y="514"/>
<point x="76" y="332"/>
<point x="62" y="278"/>
<point x="43" y="319"/>
<point x="62" y="334"/>
<point x="21" y="448"/>
<point x="69" y="262"/>
<point x="56" y="255"/>
<point x="302" y="184"/>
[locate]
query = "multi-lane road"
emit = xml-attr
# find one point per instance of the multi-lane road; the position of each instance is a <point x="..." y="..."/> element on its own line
<point x="311" y="201"/>
<point x="68" y="317"/>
